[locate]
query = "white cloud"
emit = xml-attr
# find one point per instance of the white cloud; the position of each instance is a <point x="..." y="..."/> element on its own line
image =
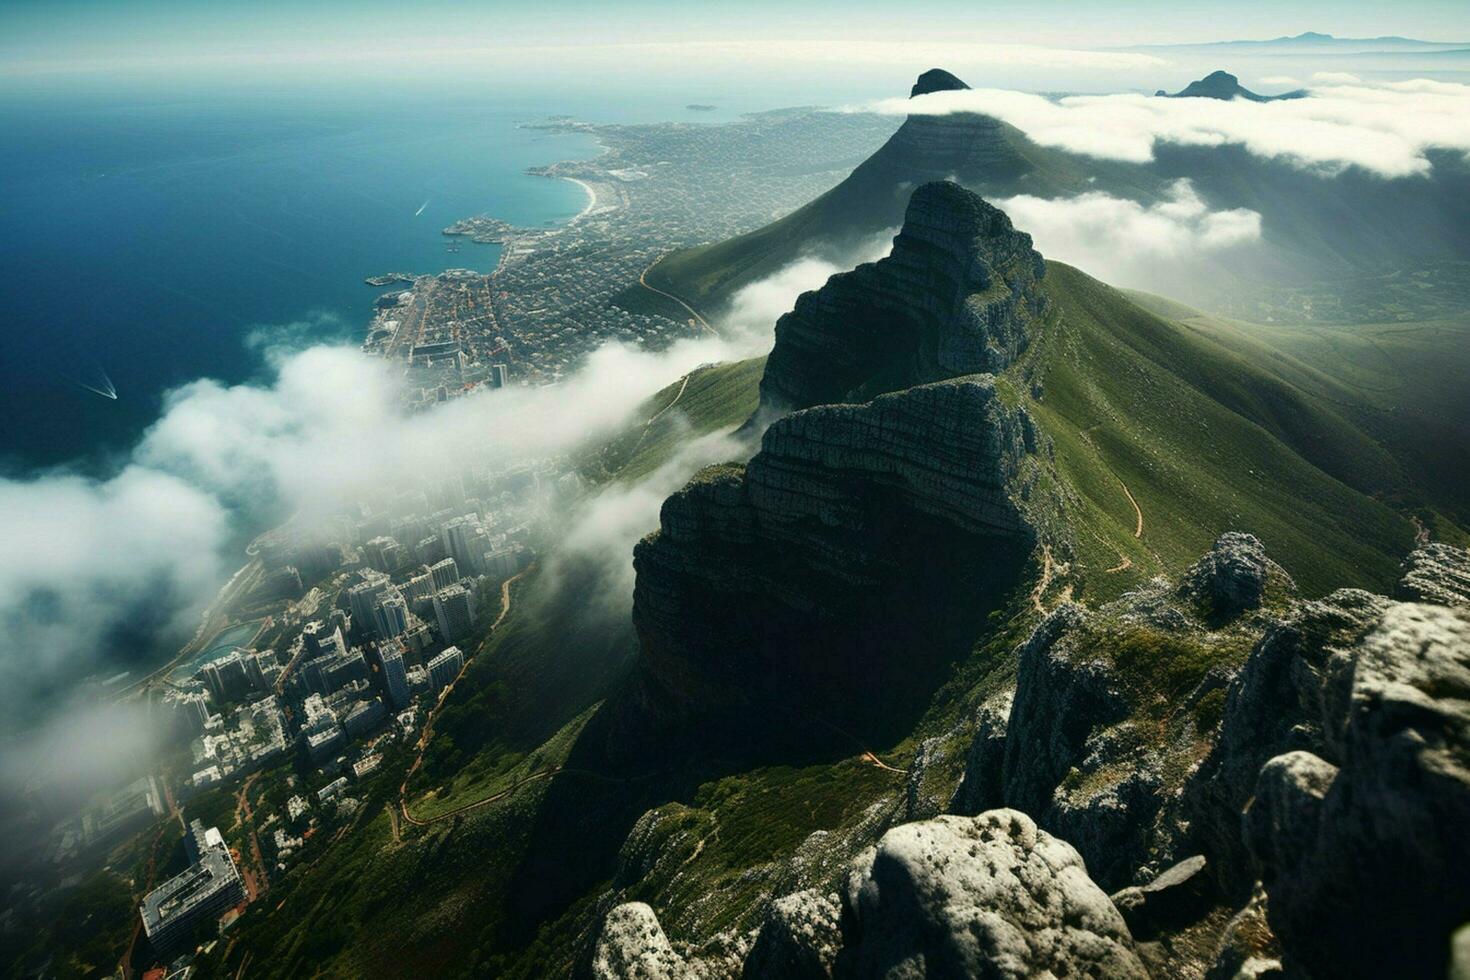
<point x="604" y="528"/>
<point x="148" y="546"/>
<point x="1126" y="242"/>
<point x="1384" y="128"/>
<point x="81" y="556"/>
<point x="1280" y="80"/>
<point x="755" y="308"/>
<point x="1336" y="78"/>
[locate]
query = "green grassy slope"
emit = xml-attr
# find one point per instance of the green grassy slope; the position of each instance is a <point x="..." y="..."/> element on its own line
<point x="717" y="396"/>
<point x="1204" y="441"/>
<point x="1400" y="384"/>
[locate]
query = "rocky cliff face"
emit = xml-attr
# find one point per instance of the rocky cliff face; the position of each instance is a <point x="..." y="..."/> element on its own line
<point x="958" y="295"/>
<point x="830" y="565"/>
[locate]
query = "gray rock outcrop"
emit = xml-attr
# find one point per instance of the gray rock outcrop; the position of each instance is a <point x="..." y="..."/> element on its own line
<point x="1231" y="577"/>
<point x="1363" y="852"/>
<point x="632" y="946"/>
<point x="855" y="534"/>
<point x="1437" y="573"/>
<point x="984" y="896"/>
<point x="980" y="787"/>
<point x="1175" y="898"/>
<point x="1273" y="706"/>
<point x="799" y="939"/>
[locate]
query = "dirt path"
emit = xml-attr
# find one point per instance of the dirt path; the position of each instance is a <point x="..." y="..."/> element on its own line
<point x="1137" y="510"/>
<point x="256" y="882"/>
<point x="1048" y="568"/>
<point x="873" y="760"/>
<point x="642" y="281"/>
<point x="428" y="730"/>
<point x="648" y="426"/>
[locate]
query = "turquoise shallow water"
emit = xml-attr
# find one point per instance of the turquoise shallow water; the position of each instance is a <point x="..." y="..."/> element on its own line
<point x="143" y="242"/>
<point x="224" y="641"/>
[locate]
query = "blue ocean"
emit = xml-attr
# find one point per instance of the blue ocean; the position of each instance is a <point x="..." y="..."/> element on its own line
<point x="145" y="243"/>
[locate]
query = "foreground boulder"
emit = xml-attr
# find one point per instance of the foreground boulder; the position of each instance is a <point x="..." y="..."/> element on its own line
<point x="1274" y="706"/>
<point x="985" y="896"/>
<point x="1231" y="578"/>
<point x="632" y="946"/>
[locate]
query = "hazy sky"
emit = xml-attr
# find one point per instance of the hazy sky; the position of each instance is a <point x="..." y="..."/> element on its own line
<point x="50" y="35"/>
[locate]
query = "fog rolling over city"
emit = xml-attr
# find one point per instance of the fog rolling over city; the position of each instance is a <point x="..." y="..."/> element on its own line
<point x="130" y="561"/>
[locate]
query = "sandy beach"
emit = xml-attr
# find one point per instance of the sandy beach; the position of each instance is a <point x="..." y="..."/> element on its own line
<point x="591" y="199"/>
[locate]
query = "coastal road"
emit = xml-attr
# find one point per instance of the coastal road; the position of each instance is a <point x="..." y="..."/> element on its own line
<point x="643" y="281"/>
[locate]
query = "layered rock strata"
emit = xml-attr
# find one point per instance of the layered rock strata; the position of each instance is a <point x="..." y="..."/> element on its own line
<point x="957" y="295"/>
<point x="859" y="538"/>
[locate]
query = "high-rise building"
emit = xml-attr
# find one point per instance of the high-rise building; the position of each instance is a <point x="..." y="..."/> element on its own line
<point x="462" y="541"/>
<point x="395" y="677"/>
<point x="322" y="639"/>
<point x="363" y="717"/>
<point x="378" y="552"/>
<point x="363" y="597"/>
<point x="207" y="888"/>
<point x="454" y="608"/>
<point x="227" y="678"/>
<point x="420" y="586"/>
<point x="499" y="376"/>
<point x="502" y="563"/>
<point x="444" y="574"/>
<point x="444" y="668"/>
<point x="190" y="710"/>
<point x="390" y="615"/>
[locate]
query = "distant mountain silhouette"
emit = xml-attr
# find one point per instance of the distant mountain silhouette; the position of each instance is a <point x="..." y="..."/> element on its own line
<point x="1225" y="86"/>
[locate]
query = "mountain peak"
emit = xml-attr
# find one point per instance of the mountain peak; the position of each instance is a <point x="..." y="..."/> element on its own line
<point x="956" y="295"/>
<point x="936" y="80"/>
<point x="1220" y="84"/>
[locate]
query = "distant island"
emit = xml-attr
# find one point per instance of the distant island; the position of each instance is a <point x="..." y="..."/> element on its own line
<point x="700" y="107"/>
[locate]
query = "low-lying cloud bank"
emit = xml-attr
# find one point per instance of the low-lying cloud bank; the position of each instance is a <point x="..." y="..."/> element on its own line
<point x="84" y="561"/>
<point x="1383" y="128"/>
<point x="1129" y="243"/>
<point x="754" y="309"/>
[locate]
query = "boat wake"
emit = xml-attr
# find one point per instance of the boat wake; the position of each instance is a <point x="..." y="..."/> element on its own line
<point x="106" y="390"/>
<point x="421" y="208"/>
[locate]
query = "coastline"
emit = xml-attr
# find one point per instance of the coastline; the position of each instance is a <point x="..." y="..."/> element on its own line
<point x="591" y="200"/>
